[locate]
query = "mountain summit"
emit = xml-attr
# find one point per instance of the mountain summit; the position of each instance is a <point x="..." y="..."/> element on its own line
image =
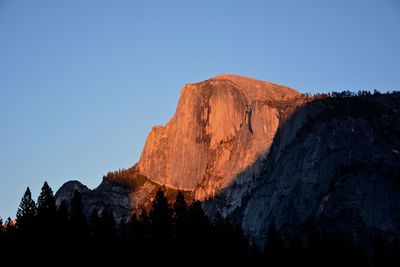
<point x="221" y="126"/>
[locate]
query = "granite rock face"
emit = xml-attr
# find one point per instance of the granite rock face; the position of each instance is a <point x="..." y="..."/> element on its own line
<point x="66" y="191"/>
<point x="334" y="164"/>
<point x="113" y="196"/>
<point x="220" y="128"/>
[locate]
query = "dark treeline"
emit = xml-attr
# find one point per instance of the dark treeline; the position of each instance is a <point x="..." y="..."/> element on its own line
<point x="348" y="94"/>
<point x="180" y="234"/>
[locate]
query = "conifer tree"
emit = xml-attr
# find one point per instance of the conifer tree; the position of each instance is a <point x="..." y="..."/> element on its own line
<point x="144" y="218"/>
<point x="46" y="213"/>
<point x="26" y="212"/>
<point x="63" y="217"/>
<point x="160" y="217"/>
<point x="199" y="230"/>
<point x="9" y="232"/>
<point x="63" y="229"/>
<point x="78" y="219"/>
<point x="181" y="217"/>
<point x="180" y="212"/>
<point x="107" y="225"/>
<point x="198" y="220"/>
<point x="46" y="209"/>
<point x="10" y="226"/>
<point x="143" y="230"/>
<point x="129" y="229"/>
<point x="94" y="224"/>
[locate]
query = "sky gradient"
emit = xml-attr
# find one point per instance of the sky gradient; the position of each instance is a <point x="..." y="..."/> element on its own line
<point x="83" y="82"/>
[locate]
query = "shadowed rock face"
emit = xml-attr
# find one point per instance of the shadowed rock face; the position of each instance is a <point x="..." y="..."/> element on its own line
<point x="116" y="197"/>
<point x="334" y="165"/>
<point x="221" y="126"/>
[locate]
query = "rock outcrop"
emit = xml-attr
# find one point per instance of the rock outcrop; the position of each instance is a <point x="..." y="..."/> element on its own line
<point x="113" y="196"/>
<point x="220" y="128"/>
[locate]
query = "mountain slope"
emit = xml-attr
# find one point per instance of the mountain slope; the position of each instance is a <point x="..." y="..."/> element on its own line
<point x="333" y="165"/>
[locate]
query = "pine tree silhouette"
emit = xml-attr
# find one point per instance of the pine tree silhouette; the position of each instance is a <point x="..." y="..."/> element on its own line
<point x="160" y="218"/>
<point x="94" y="224"/>
<point x="10" y="226"/>
<point x="46" y="214"/>
<point x="200" y="232"/>
<point x="79" y="225"/>
<point x="198" y="221"/>
<point x="46" y="203"/>
<point x="9" y="236"/>
<point x="107" y="225"/>
<point x="62" y="213"/>
<point x="63" y="227"/>
<point x="26" y="212"/>
<point x="143" y="232"/>
<point x="180" y="218"/>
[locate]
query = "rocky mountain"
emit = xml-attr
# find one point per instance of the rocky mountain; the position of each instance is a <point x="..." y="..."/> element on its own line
<point x="334" y="164"/>
<point x="221" y="127"/>
<point x="261" y="153"/>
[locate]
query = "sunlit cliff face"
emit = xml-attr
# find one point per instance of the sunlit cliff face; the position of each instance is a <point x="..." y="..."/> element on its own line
<point x="220" y="128"/>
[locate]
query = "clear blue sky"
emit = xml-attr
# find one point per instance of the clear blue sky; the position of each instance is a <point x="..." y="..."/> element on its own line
<point x="83" y="82"/>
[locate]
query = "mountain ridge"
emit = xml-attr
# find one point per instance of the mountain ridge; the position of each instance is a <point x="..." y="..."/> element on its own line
<point x="268" y="154"/>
